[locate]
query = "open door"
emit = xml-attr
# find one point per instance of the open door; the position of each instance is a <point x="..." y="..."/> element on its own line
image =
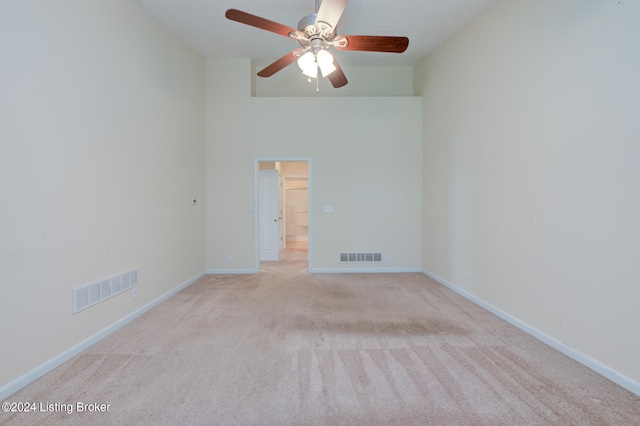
<point x="269" y="214"/>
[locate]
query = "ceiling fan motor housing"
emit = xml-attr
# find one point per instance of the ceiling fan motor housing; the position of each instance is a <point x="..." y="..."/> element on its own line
<point x="311" y="28"/>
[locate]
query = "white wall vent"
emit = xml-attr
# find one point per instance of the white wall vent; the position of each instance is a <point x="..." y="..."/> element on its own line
<point x="360" y="257"/>
<point x="98" y="291"/>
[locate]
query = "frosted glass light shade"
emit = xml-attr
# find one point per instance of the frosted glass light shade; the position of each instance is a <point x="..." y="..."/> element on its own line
<point x="325" y="62"/>
<point x="308" y="65"/>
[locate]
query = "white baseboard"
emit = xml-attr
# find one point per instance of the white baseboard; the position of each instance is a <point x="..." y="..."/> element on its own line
<point x="22" y="381"/>
<point x="362" y="270"/>
<point x="230" y="271"/>
<point x="600" y="368"/>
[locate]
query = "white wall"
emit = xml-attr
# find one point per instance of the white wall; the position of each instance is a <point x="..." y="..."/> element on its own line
<point x="101" y="146"/>
<point x="366" y="160"/>
<point x="294" y="168"/>
<point x="296" y="196"/>
<point x="296" y="209"/>
<point x="531" y="177"/>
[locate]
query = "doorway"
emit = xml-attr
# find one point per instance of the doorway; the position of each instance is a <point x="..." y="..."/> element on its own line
<point x="282" y="215"/>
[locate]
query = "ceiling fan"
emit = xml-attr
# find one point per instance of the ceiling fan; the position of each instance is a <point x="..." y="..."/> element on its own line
<point x="316" y="34"/>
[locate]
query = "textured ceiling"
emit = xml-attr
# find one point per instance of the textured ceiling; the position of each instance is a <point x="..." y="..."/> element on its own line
<point x="427" y="23"/>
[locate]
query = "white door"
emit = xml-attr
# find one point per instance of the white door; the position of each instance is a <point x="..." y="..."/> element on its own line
<point x="281" y="229"/>
<point x="268" y="209"/>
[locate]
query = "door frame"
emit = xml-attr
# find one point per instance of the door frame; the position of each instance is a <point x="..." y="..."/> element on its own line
<point x="256" y="206"/>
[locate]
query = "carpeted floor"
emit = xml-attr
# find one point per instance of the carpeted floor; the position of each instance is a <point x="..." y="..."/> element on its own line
<point x="284" y="347"/>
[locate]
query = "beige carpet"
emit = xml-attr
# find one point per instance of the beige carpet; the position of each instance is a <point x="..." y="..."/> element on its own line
<point x="287" y="348"/>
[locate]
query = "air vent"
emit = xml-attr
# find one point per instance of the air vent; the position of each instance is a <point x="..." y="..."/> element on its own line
<point x="98" y="291"/>
<point x="360" y="257"/>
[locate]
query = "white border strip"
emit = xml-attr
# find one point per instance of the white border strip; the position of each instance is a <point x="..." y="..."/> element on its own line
<point x="587" y="361"/>
<point x="230" y="271"/>
<point x="22" y="381"/>
<point x="363" y="270"/>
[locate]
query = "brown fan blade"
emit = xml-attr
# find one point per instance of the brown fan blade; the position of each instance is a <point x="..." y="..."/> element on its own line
<point x="258" y="22"/>
<point x="278" y="65"/>
<point x="330" y="11"/>
<point x="374" y="43"/>
<point x="337" y="78"/>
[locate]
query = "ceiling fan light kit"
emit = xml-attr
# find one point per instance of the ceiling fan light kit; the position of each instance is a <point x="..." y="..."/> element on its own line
<point x="316" y="34"/>
<point x="310" y="61"/>
<point x="308" y="65"/>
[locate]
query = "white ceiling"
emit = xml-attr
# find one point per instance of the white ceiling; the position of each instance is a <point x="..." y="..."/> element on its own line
<point x="427" y="23"/>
